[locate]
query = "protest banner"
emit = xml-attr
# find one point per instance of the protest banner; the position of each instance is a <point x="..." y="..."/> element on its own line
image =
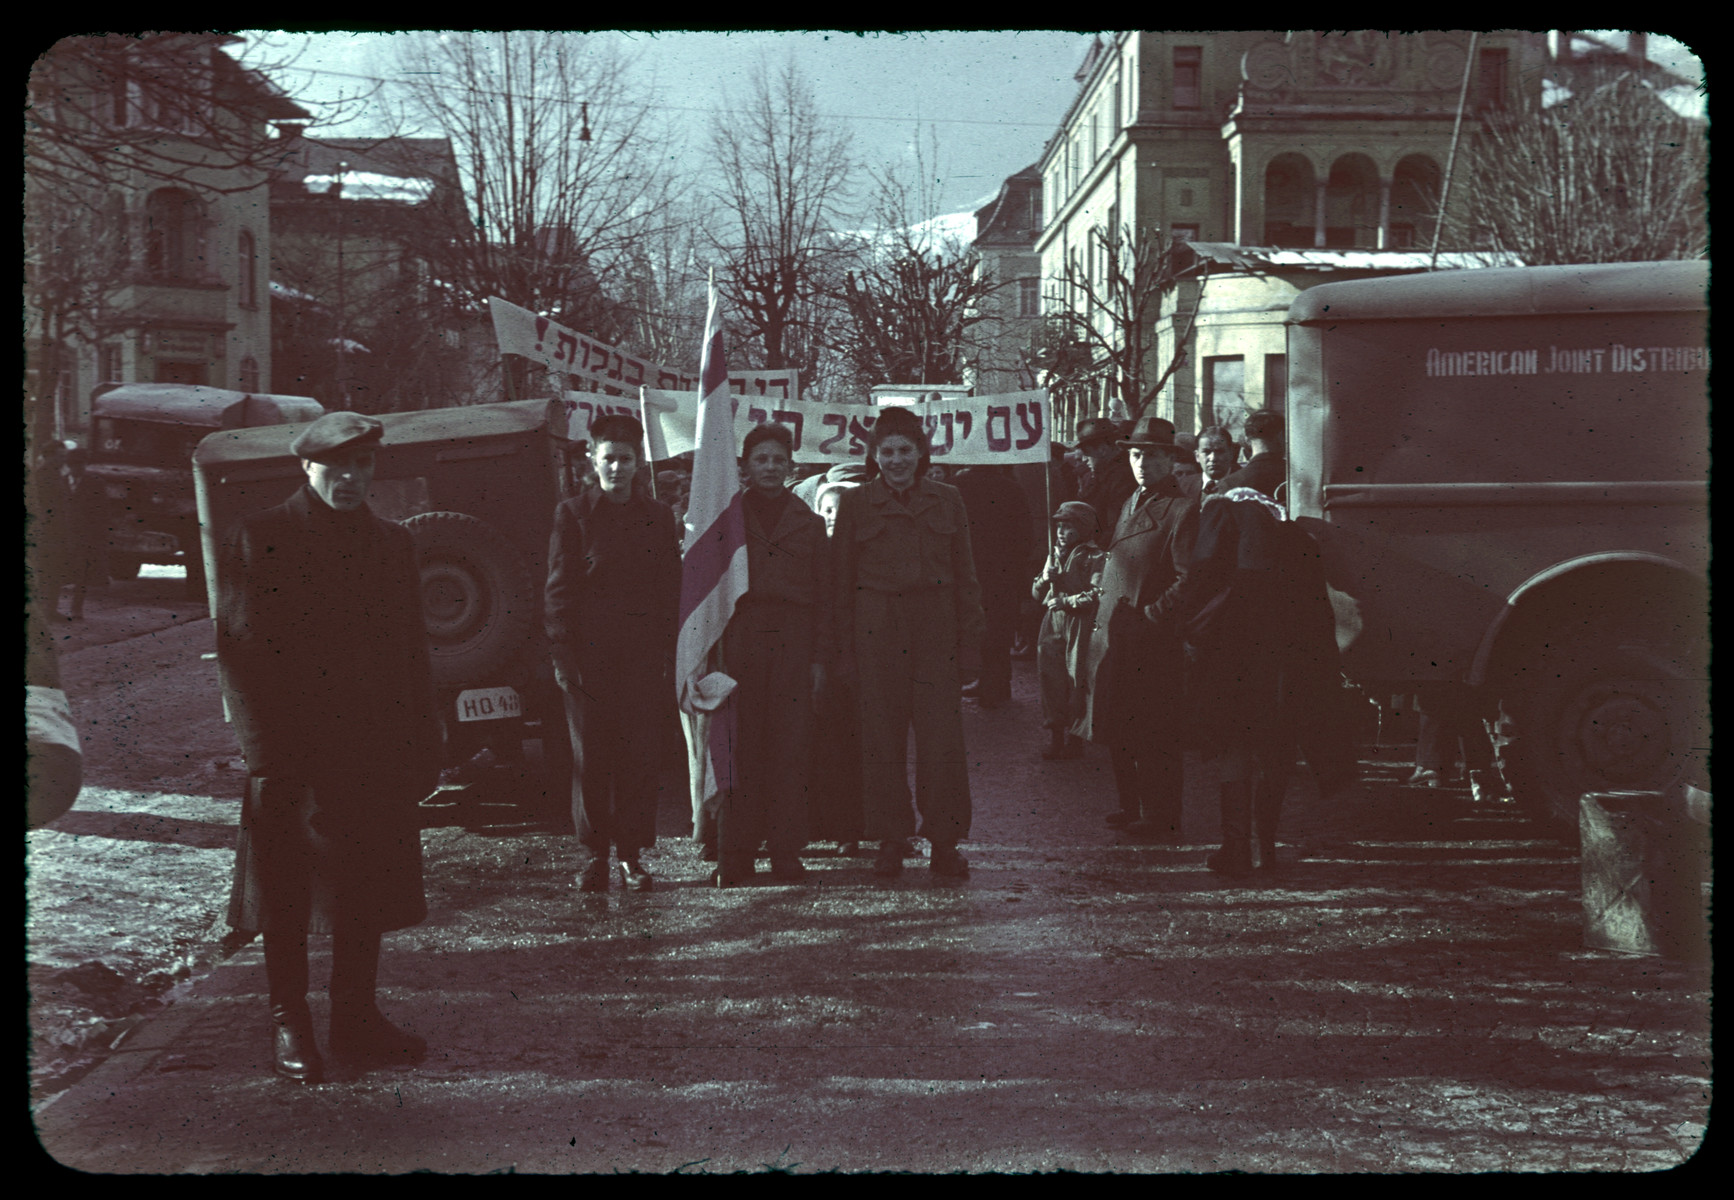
<point x="963" y="430"/>
<point x="583" y="359"/>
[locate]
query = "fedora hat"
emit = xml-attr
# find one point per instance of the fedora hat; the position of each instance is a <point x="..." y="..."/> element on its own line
<point x="1148" y="432"/>
<point x="1097" y="429"/>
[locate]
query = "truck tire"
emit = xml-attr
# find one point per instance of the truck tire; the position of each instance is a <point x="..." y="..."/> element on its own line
<point x="477" y="598"/>
<point x="1616" y="705"/>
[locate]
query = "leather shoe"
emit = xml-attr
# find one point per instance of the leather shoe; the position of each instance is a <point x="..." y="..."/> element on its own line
<point x="295" y="1054"/>
<point x="636" y="877"/>
<point x="594" y="876"/>
<point x="889" y="860"/>
<point x="949" y="863"/>
<point x="788" y="870"/>
<point x="368" y="1039"/>
<point x="1224" y="863"/>
<point x="1156" y="833"/>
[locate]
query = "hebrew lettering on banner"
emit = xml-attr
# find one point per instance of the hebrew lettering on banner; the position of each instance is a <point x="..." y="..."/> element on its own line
<point x="588" y="365"/>
<point x="967" y="431"/>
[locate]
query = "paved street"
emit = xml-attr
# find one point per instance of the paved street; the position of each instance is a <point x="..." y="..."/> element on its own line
<point x="1413" y="995"/>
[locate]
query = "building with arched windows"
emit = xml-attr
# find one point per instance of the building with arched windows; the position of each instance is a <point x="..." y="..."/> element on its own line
<point x="148" y="231"/>
<point x="1289" y="159"/>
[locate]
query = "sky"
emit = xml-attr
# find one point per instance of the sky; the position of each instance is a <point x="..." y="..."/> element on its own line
<point x="992" y="98"/>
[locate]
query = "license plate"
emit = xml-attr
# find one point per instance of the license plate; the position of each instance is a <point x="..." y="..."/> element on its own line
<point x="489" y="704"/>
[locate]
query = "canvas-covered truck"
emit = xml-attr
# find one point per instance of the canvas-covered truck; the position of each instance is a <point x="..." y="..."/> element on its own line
<point x="139" y="468"/>
<point x="477" y="487"/>
<point x="1507" y="470"/>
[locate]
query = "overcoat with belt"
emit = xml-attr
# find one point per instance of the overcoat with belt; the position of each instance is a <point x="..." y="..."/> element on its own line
<point x="781" y="630"/>
<point x="322" y="648"/>
<point x="909" y="620"/>
<point x="1135" y="664"/>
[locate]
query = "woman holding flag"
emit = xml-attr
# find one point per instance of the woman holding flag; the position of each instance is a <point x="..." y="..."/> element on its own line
<point x="909" y="628"/>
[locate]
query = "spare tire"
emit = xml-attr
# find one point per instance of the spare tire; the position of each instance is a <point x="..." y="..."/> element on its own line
<point x="477" y="598"/>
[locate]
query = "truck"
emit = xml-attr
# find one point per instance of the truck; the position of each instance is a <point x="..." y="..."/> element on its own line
<point x="1506" y="470"/>
<point x="477" y="487"/>
<point x="139" y="465"/>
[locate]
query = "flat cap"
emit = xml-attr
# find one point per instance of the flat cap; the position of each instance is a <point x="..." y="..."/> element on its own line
<point x="1078" y="513"/>
<point x="337" y="431"/>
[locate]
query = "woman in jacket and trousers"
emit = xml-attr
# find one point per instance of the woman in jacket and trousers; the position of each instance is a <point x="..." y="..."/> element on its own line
<point x="909" y="628"/>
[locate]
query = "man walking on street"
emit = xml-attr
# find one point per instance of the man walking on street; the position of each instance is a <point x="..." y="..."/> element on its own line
<point x="1135" y="668"/>
<point x="323" y="651"/>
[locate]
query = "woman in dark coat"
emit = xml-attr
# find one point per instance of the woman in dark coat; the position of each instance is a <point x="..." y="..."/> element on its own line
<point x="909" y="627"/>
<point x="775" y="648"/>
<point x="323" y="651"/>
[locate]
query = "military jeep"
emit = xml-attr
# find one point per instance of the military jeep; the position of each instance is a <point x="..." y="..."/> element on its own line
<point x="477" y="487"/>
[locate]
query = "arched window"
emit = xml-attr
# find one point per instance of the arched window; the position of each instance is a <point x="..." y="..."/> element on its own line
<point x="1415" y="194"/>
<point x="174" y="235"/>
<point x="246" y="266"/>
<point x="249" y="380"/>
<point x="1352" y="203"/>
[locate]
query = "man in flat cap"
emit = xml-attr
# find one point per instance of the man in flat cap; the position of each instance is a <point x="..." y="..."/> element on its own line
<point x="323" y="652"/>
<point x="1136" y="661"/>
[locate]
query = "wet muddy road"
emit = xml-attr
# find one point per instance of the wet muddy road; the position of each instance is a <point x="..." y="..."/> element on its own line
<point x="1412" y="995"/>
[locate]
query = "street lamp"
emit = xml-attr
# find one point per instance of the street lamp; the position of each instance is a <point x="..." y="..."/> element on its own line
<point x="342" y="311"/>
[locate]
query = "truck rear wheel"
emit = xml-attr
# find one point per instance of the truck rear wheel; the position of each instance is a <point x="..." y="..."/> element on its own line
<point x="477" y="598"/>
<point x="1618" y="705"/>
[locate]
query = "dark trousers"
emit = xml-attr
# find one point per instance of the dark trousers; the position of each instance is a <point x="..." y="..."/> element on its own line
<point x="354" y="973"/>
<point x="615" y="740"/>
<point x="996" y="647"/>
<point x="906" y="653"/>
<point x="1149" y="780"/>
<point x="769" y="651"/>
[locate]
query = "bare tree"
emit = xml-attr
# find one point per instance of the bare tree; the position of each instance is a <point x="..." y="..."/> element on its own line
<point x="564" y="169"/>
<point x="1611" y="175"/>
<point x="785" y="182"/>
<point x="1107" y="304"/>
<point x="915" y="293"/>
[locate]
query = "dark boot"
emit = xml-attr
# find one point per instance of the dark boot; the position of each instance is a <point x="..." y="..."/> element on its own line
<point x="294" y="1052"/>
<point x="360" y="1033"/>
<point x="1235" y="857"/>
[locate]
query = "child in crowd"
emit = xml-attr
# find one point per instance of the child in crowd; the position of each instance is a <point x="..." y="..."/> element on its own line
<point x="1067" y="588"/>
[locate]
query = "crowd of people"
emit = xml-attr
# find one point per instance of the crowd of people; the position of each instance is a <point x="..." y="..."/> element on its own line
<point x="1176" y="607"/>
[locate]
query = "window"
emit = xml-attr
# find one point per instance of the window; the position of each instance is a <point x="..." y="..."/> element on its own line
<point x="1224" y="392"/>
<point x="247" y="271"/>
<point x="1188" y="77"/>
<point x="1029" y="297"/>
<point x="1276" y="382"/>
<point x="1185" y="233"/>
<point x="109" y="363"/>
<point x="174" y="235"/>
<point x="249" y="380"/>
<point x="1490" y="79"/>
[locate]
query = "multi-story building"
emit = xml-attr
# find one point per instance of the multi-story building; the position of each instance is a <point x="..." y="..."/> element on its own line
<point x="147" y="225"/>
<point x="362" y="320"/>
<point x="1006" y="230"/>
<point x="1334" y="144"/>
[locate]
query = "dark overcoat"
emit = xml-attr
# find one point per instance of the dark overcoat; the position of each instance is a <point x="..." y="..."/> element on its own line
<point x="909" y="624"/>
<point x="780" y="630"/>
<point x="322" y="649"/>
<point x="1134" y="668"/>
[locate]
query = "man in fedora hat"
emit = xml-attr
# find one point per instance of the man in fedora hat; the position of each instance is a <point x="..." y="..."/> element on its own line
<point x="1110" y="474"/>
<point x="323" y="651"/>
<point x="1134" y="701"/>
